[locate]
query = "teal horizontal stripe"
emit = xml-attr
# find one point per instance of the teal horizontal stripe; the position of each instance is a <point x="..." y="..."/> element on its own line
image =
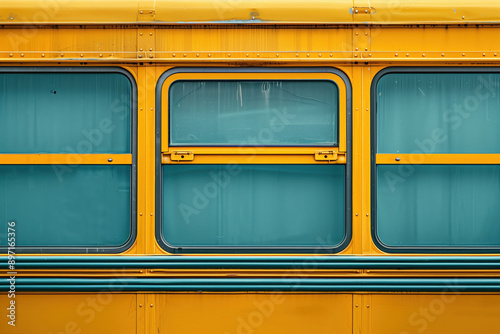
<point x="254" y="262"/>
<point x="255" y="284"/>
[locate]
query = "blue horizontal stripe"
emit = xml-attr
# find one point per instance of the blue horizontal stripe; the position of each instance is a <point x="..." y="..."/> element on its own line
<point x="255" y="262"/>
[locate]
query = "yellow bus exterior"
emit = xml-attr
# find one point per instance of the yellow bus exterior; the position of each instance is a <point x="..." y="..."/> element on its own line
<point x="359" y="289"/>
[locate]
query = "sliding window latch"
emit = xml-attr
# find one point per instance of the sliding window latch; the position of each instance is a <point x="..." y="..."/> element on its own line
<point x="326" y="155"/>
<point x="182" y="156"/>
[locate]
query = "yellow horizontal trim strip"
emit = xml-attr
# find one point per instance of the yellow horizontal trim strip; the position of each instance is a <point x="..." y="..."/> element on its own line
<point x="252" y="150"/>
<point x="66" y="159"/>
<point x="246" y="11"/>
<point x="253" y="159"/>
<point x="438" y="159"/>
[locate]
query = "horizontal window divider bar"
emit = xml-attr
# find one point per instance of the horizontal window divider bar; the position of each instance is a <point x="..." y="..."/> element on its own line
<point x="65" y="159"/>
<point x="438" y="159"/>
<point x="258" y="157"/>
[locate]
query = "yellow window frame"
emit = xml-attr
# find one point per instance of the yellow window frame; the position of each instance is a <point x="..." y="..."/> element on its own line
<point x="255" y="154"/>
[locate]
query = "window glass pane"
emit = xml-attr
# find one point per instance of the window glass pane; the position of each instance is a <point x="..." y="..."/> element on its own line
<point x="438" y="205"/>
<point x="253" y="205"/>
<point x="63" y="205"/>
<point x="438" y="113"/>
<point x="65" y="113"/>
<point x="253" y="113"/>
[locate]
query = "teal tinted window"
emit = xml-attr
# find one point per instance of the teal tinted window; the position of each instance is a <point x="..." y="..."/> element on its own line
<point x="438" y="205"/>
<point x="253" y="205"/>
<point x="65" y="113"/>
<point x="438" y="113"/>
<point x="293" y="112"/>
<point x="86" y="206"/>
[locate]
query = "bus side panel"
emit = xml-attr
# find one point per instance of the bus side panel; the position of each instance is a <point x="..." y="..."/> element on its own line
<point x="71" y="313"/>
<point x="448" y="312"/>
<point x="261" y="313"/>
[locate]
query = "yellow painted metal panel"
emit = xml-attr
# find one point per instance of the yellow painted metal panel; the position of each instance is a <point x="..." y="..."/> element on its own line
<point x="251" y="11"/>
<point x="441" y="159"/>
<point x="445" y="313"/>
<point x="62" y="159"/>
<point x="238" y="42"/>
<point x="456" y="11"/>
<point x="71" y="313"/>
<point x="68" y="43"/>
<point x="261" y="313"/>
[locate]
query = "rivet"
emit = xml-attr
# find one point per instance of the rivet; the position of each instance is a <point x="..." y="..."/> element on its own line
<point x="11" y="55"/>
<point x="442" y="54"/>
<point x="150" y="49"/>
<point x="356" y="49"/>
<point x="173" y="55"/>
<point x="253" y="17"/>
<point x="366" y="34"/>
<point x="366" y="49"/>
<point x="367" y="306"/>
<point x="277" y="55"/>
<point x="356" y="11"/>
<point x="151" y="214"/>
<point x="423" y="54"/>
<point x="140" y="305"/>
<point x="484" y="54"/>
<point x="150" y="55"/>
<point x="150" y="34"/>
<point x="367" y="214"/>
<point x="62" y="54"/>
<point x="319" y="55"/>
<point x="369" y="55"/>
<point x="331" y="54"/>
<point x="366" y="10"/>
<point x="110" y="160"/>
<point x="258" y="54"/>
<point x="308" y="54"/>
<point x="141" y="108"/>
<point x="209" y="55"/>
<point x="81" y="54"/>
<point x="197" y="55"/>
<point x="140" y="49"/>
<point x="151" y="109"/>
<point x="397" y="159"/>
<point x="463" y="54"/>
<point x="296" y="55"/>
<point x="407" y="55"/>
<point x="140" y="34"/>
<point x="22" y="54"/>
<point x="357" y="214"/>
<point x="150" y="12"/>
<point x="463" y="17"/>
<point x="11" y="18"/>
<point x="229" y="55"/>
<point x="151" y="305"/>
<point x="355" y="55"/>
<point x="140" y="214"/>
<point x="100" y="54"/>
<point x="396" y="54"/>
<point x="495" y="54"/>
<point x="184" y="55"/>
<point x="357" y="305"/>
<point x="43" y="54"/>
<point x="140" y="56"/>
<point x="140" y="12"/>
<point x="357" y="34"/>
